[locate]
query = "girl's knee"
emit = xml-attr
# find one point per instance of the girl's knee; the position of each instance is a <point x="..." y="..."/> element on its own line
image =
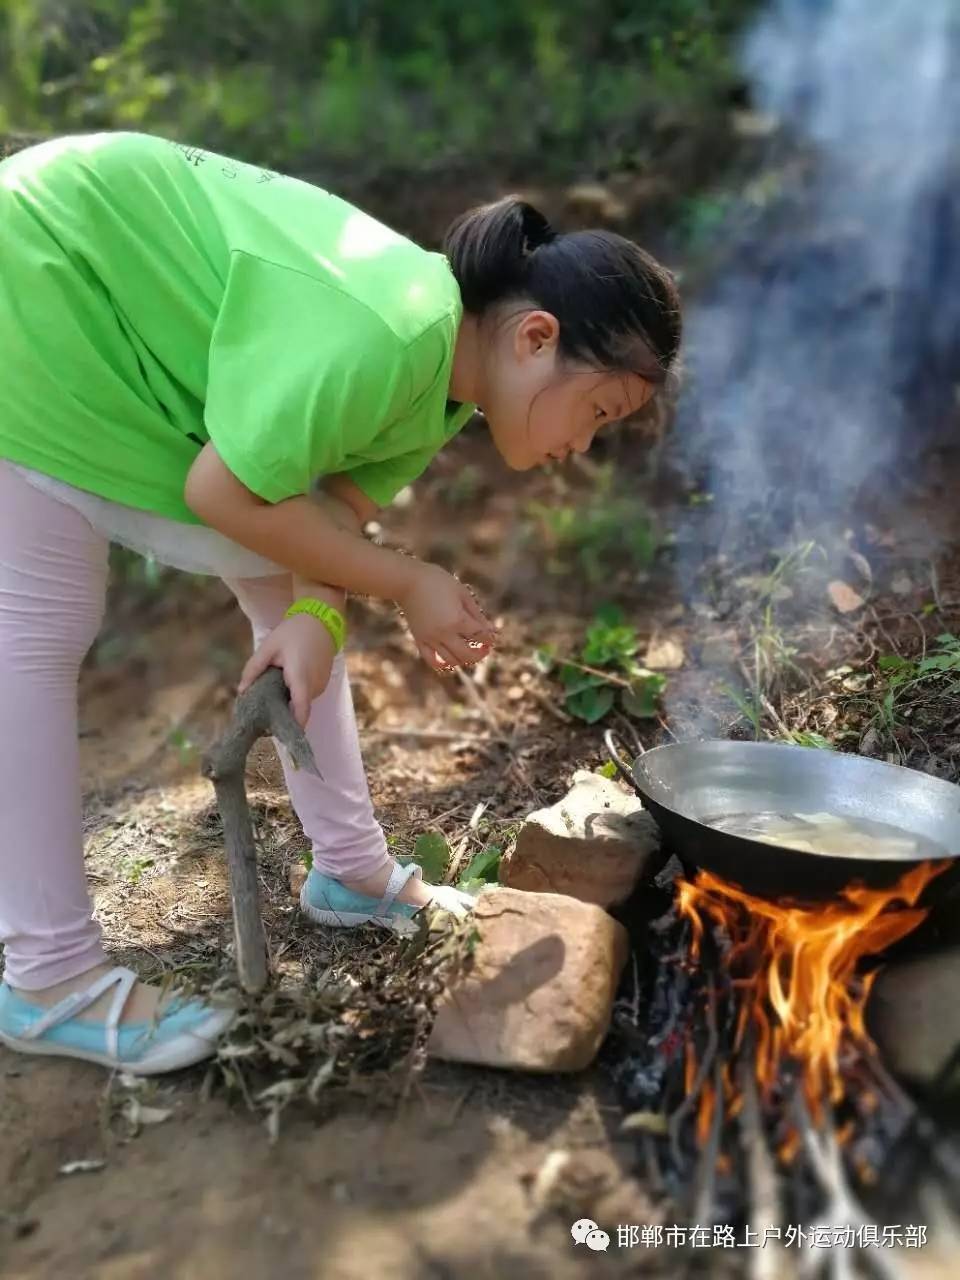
<point x="264" y="601"/>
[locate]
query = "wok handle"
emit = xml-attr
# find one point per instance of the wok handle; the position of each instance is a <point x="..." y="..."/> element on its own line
<point x="619" y="764"/>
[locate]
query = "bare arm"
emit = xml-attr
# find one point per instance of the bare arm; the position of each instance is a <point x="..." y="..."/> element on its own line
<point x="350" y="509"/>
<point x="314" y="539"/>
<point x="321" y="543"/>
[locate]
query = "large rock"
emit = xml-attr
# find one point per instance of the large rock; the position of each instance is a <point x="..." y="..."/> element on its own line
<point x="914" y="1015"/>
<point x="540" y="987"/>
<point x="594" y="845"/>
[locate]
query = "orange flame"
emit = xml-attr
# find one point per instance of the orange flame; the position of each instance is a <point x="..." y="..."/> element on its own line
<point x="797" y="970"/>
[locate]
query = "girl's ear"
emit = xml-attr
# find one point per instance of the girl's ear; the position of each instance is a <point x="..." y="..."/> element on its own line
<point x="538" y="333"/>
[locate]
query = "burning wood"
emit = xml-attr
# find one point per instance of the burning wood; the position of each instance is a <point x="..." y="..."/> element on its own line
<point x="750" y="1039"/>
<point x="796" y="971"/>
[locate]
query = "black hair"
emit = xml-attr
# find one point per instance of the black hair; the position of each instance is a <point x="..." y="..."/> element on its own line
<point x="617" y="307"/>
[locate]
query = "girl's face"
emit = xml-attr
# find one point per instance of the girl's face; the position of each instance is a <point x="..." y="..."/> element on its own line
<point x="540" y="407"/>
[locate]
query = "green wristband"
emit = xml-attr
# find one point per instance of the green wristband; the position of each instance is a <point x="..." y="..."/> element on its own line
<point x="331" y="618"/>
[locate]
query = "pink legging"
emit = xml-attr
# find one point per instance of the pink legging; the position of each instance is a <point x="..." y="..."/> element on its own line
<point x="53" y="577"/>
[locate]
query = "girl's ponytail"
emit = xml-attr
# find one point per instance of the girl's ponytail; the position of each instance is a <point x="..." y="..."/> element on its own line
<point x="490" y="249"/>
<point x="618" y="308"/>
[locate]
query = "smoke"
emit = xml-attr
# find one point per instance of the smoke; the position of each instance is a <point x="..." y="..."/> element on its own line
<point x="830" y="339"/>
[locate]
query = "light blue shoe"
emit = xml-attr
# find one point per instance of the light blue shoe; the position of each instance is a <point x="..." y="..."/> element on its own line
<point x="326" y="901"/>
<point x="186" y="1031"/>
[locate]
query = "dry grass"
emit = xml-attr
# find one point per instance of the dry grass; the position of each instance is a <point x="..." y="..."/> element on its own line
<point x="346" y="1011"/>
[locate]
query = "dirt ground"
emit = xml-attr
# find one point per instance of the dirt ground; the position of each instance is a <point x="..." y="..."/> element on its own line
<point x="462" y="1177"/>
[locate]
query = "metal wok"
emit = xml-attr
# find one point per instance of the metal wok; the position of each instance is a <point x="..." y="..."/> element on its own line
<point x="686" y="786"/>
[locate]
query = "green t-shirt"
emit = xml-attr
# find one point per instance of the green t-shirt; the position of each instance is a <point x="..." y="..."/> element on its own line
<point x="154" y="296"/>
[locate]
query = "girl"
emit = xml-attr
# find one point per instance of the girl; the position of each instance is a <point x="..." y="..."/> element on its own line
<point x="191" y="346"/>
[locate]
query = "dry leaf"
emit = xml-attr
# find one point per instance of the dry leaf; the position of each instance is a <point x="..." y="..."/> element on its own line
<point x="844" y="598"/>
<point x="137" y="1115"/>
<point x="296" y="876"/>
<point x="83" y="1166"/>
<point x="548" y="1176"/>
<point x="664" y="653"/>
<point x="154" y="1115"/>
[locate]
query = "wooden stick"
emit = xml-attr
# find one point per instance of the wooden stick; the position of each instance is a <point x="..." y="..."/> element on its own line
<point x="764" y="1204"/>
<point x="705" y="1179"/>
<point x="704" y="1067"/>
<point x="262" y="711"/>
<point x="842" y="1208"/>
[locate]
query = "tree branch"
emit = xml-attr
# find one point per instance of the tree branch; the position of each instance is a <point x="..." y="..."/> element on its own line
<point x="263" y="711"/>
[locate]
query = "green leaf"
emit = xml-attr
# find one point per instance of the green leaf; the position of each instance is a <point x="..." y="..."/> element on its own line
<point x="472" y="887"/>
<point x="432" y="853"/>
<point x="807" y="738"/>
<point x="937" y="662"/>
<point x="611" y="615"/>
<point x="642" y="698"/>
<point x="886" y="709"/>
<point x="484" y="866"/>
<point x="590" y="705"/>
<point x="609" y="645"/>
<point x="608" y="770"/>
<point x="545" y="658"/>
<point x="575" y="681"/>
<point x="891" y="663"/>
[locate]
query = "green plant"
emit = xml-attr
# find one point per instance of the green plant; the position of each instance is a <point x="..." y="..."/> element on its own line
<point x="432" y="853"/>
<point x="601" y="527"/>
<point x="747" y="705"/>
<point x="905" y="683"/>
<point x="752" y="711"/>
<point x="605" y="667"/>
<point x="132" y="868"/>
<point x="789" y="565"/>
<point x="772" y="654"/>
<point x="483" y="868"/>
<point x="373" y="87"/>
<point x="807" y="738"/>
<point x="769" y="660"/>
<point x="186" y="747"/>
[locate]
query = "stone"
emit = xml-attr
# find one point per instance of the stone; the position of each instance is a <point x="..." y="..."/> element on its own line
<point x="539" y="989"/>
<point x="594" y="845"/>
<point x="914" y="1015"/>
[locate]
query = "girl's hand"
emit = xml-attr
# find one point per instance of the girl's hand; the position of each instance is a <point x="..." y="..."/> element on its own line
<point x="303" y="649"/>
<point x="450" y="628"/>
